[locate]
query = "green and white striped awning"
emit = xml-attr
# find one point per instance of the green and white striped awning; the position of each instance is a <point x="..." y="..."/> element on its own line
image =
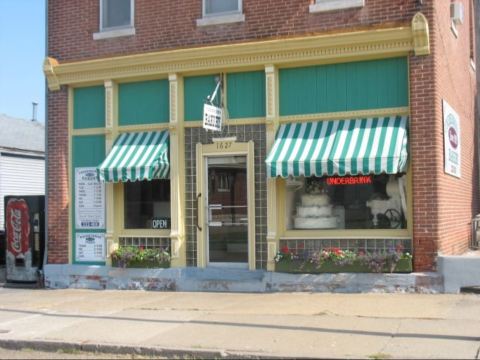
<point x="137" y="156"/>
<point x="357" y="146"/>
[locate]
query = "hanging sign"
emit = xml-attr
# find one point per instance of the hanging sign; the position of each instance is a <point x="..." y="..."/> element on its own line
<point x="212" y="117"/>
<point x="452" y="143"/>
<point x="90" y="247"/>
<point x="89" y="199"/>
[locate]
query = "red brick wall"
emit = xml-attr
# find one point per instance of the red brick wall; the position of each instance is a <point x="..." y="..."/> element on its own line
<point x="166" y="24"/>
<point x="443" y="205"/>
<point x="57" y="177"/>
<point x="424" y="145"/>
<point x="457" y="202"/>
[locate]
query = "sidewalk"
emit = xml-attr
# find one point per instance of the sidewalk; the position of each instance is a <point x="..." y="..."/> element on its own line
<point x="209" y="325"/>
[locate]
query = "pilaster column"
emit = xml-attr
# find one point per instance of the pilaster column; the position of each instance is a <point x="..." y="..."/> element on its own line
<point x="177" y="173"/>
<point x="271" y="84"/>
<point x="110" y="136"/>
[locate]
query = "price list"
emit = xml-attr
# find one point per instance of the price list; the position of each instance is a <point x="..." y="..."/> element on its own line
<point x="89" y="200"/>
<point x="90" y="247"/>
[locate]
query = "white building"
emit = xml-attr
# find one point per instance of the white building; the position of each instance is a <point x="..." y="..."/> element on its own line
<point x="22" y="159"/>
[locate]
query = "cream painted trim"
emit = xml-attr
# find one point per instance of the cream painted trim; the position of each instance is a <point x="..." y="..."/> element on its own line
<point x="144" y="127"/>
<point x="272" y="111"/>
<point x="230" y="122"/>
<point x="111" y="92"/>
<point x="90" y="131"/>
<point x="344" y="234"/>
<point x="120" y="219"/>
<point x="347" y="46"/>
<point x="177" y="171"/>
<point x="70" y="176"/>
<point x="216" y="149"/>
<point x="340" y="115"/>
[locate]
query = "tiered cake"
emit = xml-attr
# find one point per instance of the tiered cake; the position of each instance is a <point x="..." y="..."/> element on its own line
<point x="315" y="213"/>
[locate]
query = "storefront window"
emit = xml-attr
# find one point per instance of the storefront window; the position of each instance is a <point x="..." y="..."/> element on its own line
<point x="346" y="202"/>
<point x="147" y="204"/>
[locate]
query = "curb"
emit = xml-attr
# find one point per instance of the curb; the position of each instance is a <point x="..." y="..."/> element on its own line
<point x="153" y="351"/>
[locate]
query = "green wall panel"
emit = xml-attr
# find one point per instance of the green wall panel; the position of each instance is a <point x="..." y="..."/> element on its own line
<point x="344" y="87"/>
<point x="145" y="102"/>
<point x="87" y="151"/>
<point x="196" y="90"/>
<point x="89" y="107"/>
<point x="246" y="94"/>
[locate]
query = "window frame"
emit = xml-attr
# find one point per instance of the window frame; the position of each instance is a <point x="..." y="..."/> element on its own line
<point x="104" y="29"/>
<point x="225" y="13"/>
<point x="119" y="216"/>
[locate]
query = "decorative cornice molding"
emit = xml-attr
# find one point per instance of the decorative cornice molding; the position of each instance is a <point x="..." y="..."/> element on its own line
<point x="283" y="52"/>
<point x="421" y="39"/>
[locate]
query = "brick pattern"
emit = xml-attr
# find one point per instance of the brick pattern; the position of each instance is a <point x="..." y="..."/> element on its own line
<point x="367" y="245"/>
<point x="57" y="170"/>
<point x="164" y="24"/>
<point x="443" y="206"/>
<point x="243" y="134"/>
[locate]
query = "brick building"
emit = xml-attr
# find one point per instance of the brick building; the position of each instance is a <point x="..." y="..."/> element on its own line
<point x="333" y="126"/>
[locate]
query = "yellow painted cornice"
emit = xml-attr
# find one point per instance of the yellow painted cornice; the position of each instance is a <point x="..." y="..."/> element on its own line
<point x="348" y="46"/>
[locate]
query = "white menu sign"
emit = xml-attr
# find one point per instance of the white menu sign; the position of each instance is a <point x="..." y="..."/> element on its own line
<point x="89" y="199"/>
<point x="90" y="247"/>
<point x="452" y="144"/>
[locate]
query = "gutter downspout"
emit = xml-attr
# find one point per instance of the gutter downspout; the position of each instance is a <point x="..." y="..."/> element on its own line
<point x="45" y="255"/>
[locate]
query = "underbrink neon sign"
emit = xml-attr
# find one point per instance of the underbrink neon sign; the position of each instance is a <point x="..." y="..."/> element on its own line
<point x="349" y="180"/>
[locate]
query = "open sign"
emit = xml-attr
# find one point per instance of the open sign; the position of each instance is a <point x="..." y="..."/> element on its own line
<point x="161" y="223"/>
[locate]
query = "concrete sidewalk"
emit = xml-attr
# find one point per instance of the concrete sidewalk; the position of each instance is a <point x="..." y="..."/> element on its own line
<point x="208" y="325"/>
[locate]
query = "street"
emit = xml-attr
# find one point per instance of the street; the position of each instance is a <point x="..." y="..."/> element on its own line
<point x="205" y="325"/>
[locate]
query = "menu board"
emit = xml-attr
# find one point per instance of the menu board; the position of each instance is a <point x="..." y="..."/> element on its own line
<point x="89" y="199"/>
<point x="90" y="247"/>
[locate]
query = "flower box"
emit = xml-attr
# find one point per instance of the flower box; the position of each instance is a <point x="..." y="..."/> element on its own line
<point x="145" y="264"/>
<point x="358" y="266"/>
<point x="139" y="257"/>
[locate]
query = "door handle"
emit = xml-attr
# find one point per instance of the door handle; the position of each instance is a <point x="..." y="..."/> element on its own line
<point x="198" y="213"/>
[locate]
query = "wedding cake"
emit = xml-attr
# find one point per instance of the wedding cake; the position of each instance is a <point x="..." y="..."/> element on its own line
<point x="315" y="212"/>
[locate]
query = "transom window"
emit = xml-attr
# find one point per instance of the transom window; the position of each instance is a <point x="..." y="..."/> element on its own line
<point x="116" y="14"/>
<point x="221" y="7"/>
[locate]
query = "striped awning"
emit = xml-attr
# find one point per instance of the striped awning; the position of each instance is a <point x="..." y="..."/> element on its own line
<point x="137" y="156"/>
<point x="357" y="146"/>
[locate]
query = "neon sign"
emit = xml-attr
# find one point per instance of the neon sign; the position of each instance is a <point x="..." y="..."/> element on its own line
<point x="349" y="180"/>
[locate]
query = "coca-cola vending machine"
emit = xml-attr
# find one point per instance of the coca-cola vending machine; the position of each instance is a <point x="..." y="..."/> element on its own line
<point x="25" y="237"/>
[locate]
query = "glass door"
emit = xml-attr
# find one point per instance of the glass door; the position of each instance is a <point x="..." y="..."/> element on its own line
<point x="227" y="210"/>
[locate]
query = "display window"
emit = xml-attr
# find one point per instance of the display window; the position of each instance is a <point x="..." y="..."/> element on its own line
<point x="346" y="202"/>
<point x="147" y="204"/>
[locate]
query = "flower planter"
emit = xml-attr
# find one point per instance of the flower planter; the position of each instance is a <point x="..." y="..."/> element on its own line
<point x="301" y="267"/>
<point x="141" y="264"/>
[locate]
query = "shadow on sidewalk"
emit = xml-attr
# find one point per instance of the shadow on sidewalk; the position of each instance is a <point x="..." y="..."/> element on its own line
<point x="262" y="326"/>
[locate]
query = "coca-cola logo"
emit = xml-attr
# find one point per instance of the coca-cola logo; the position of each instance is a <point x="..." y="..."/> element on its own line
<point x="17" y="226"/>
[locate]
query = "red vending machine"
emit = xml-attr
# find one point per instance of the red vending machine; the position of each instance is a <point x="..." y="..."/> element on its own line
<point x="25" y="237"/>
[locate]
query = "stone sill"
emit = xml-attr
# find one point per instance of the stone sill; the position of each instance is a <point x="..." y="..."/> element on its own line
<point x="221" y="19"/>
<point x="108" y="34"/>
<point x="330" y="5"/>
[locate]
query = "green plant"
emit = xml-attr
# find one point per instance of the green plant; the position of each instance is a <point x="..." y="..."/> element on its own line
<point x="128" y="255"/>
<point x="332" y="259"/>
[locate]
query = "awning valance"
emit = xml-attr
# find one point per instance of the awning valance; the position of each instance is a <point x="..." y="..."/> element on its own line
<point x="357" y="146"/>
<point x="137" y="156"/>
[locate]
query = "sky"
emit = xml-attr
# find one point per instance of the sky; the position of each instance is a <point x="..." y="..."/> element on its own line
<point x="22" y="51"/>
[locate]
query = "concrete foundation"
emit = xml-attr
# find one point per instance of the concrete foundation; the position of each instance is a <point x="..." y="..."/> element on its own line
<point x="459" y="271"/>
<point x="229" y="280"/>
